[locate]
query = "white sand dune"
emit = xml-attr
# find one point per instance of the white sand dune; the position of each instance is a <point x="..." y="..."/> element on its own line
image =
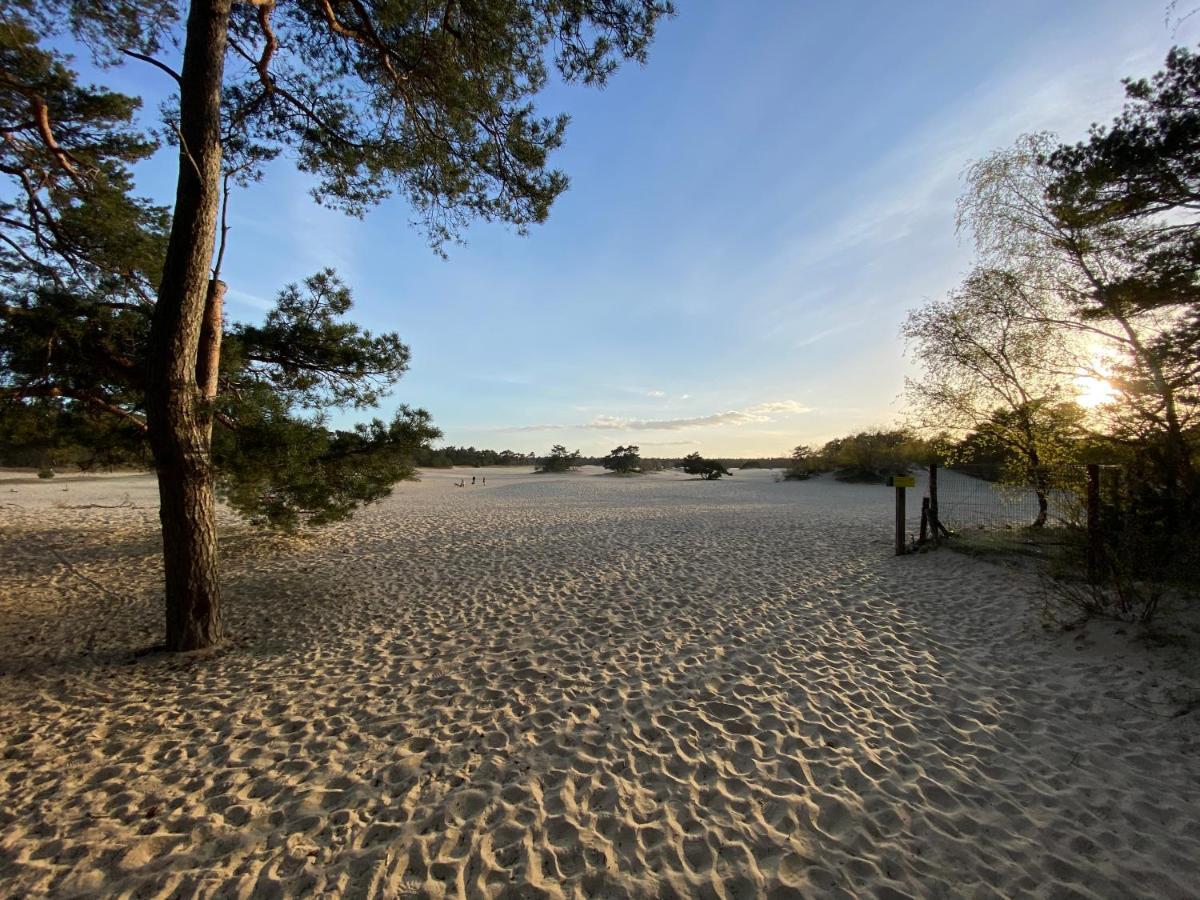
<point x="570" y="686"/>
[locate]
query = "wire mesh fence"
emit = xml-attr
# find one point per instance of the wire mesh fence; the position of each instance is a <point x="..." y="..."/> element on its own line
<point x="1024" y="507"/>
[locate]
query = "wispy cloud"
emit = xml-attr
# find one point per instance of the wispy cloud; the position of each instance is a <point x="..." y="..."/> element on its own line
<point x="616" y="423"/>
<point x="825" y="333"/>
<point x="247" y="299"/>
<point x="788" y="407"/>
<point x="656" y="393"/>
<point x="756" y="414"/>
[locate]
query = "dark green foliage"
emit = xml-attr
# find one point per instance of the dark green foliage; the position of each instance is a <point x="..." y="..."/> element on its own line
<point x="868" y="456"/>
<point x="283" y="471"/>
<point x="624" y="460"/>
<point x="445" y="457"/>
<point x="386" y="97"/>
<point x="1098" y="253"/>
<point x="311" y="357"/>
<point x="1133" y="188"/>
<point x="51" y="433"/>
<point x="107" y="27"/>
<point x="708" y="469"/>
<point x="66" y="214"/>
<point x="80" y="259"/>
<point x="804" y="464"/>
<point x="1147" y="163"/>
<point x="84" y="258"/>
<point x="1059" y="428"/>
<point x="1145" y="566"/>
<point x="559" y="460"/>
<point x="777" y="462"/>
<point x="871" y="456"/>
<point x="272" y="465"/>
<point x="431" y="101"/>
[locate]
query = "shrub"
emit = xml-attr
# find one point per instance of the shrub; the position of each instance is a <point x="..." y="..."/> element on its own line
<point x="624" y="460"/>
<point x="559" y="460"/>
<point x="872" y="456"/>
<point x="708" y="469"/>
<point x="805" y="463"/>
<point x="1146" y="557"/>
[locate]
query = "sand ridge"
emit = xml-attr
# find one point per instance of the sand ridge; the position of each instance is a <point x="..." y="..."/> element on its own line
<point x="569" y="686"/>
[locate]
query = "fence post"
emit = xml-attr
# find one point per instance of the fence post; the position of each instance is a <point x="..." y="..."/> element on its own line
<point x="1095" y="547"/>
<point x="924" y="520"/>
<point x="1117" y="522"/>
<point x="933" y="504"/>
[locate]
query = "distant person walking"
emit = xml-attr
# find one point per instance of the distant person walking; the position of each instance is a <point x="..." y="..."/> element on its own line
<point x="472" y="479"/>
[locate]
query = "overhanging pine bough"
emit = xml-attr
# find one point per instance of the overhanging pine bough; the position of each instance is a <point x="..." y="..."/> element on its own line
<point x="431" y="100"/>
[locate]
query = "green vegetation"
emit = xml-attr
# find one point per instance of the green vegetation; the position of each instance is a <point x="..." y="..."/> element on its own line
<point x="371" y="101"/>
<point x="708" y="469"/>
<point x="624" y="460"/>
<point x="868" y="456"/>
<point x="559" y="460"/>
<point x="766" y="463"/>
<point x="804" y="464"/>
<point x="984" y="354"/>
<point x="445" y="457"/>
<point x="1085" y="292"/>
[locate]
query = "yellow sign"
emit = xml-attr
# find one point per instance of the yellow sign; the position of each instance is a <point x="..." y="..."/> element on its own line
<point x="902" y="481"/>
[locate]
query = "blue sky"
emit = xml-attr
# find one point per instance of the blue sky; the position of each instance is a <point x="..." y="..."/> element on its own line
<point x="750" y="216"/>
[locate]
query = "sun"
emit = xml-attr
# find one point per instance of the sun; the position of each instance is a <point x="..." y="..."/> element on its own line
<point x="1092" y="391"/>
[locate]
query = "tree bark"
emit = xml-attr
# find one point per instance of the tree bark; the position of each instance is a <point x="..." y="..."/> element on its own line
<point x="208" y="354"/>
<point x="178" y="419"/>
<point x="1043" y="503"/>
<point x="1040" y="482"/>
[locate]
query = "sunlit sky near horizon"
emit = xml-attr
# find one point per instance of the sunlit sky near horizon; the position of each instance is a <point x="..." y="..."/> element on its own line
<point x="750" y="215"/>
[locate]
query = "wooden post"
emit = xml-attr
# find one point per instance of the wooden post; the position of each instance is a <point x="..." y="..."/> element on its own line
<point x="933" y="501"/>
<point x="1116" y="522"/>
<point x="924" y="520"/>
<point x="900" y="521"/>
<point x="1095" y="548"/>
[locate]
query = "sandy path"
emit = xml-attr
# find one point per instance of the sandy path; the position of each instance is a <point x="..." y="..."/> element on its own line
<point x="570" y="686"/>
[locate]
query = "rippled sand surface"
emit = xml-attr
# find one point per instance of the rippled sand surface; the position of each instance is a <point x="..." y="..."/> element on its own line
<point x="572" y="686"/>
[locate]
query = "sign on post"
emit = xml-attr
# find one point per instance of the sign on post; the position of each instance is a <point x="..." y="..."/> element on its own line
<point x="900" y="482"/>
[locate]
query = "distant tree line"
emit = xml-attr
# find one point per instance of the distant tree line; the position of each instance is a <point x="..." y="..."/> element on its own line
<point x="866" y="456"/>
<point x="445" y="457"/>
<point x="627" y="460"/>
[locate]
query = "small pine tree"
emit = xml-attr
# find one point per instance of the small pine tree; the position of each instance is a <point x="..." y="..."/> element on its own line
<point x="708" y="469"/>
<point x="559" y="460"/>
<point x="805" y="463"/>
<point x="624" y="460"/>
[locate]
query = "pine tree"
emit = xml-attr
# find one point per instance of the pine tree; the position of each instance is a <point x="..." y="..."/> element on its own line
<point x="429" y="101"/>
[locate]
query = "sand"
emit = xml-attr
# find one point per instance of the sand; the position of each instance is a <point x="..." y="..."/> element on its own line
<point x="573" y="686"/>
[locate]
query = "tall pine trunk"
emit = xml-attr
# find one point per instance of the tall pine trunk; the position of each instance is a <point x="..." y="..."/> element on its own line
<point x="177" y="415"/>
